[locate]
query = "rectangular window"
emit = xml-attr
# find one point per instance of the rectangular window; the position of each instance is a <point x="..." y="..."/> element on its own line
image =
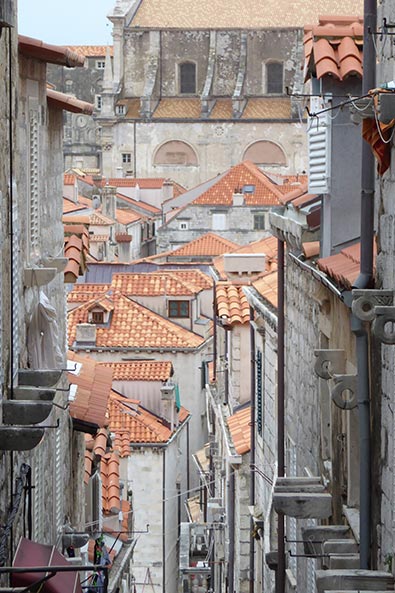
<point x="275" y="78"/>
<point x="260" y="222"/>
<point x="120" y="109"/>
<point x="188" y="78"/>
<point x="183" y="225"/>
<point x="97" y="317"/>
<point x="126" y="157"/>
<point x="100" y="64"/>
<point x="98" y="101"/>
<point x="179" y="309"/>
<point x="219" y="221"/>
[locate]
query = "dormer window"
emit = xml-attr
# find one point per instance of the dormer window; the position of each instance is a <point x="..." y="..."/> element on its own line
<point x="97" y="317"/>
<point x="274" y="78"/>
<point x="187" y="72"/>
<point x="179" y="309"/>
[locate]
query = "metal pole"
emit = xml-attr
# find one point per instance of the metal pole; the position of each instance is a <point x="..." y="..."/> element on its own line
<point x="280" y="573"/>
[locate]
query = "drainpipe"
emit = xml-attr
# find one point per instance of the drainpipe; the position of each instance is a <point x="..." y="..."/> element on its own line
<point x="365" y="280"/>
<point x="231" y="515"/>
<point x="252" y="450"/>
<point x="226" y="361"/>
<point x="215" y="333"/>
<point x="280" y="573"/>
<point x="164" y="520"/>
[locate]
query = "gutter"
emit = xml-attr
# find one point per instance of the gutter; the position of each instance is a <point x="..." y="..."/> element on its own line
<point x="232" y="458"/>
<point x="320" y="276"/>
<point x="260" y="306"/>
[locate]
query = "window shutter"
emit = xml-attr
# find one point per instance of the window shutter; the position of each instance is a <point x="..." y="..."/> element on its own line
<point x="259" y="403"/>
<point x="319" y="149"/>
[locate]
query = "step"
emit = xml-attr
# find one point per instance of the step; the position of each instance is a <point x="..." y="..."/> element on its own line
<point x="353" y="580"/>
<point x="303" y="505"/>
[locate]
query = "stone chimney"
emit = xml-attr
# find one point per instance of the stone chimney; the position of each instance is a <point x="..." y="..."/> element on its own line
<point x="238" y="197"/>
<point x="244" y="264"/>
<point x="108" y="200"/>
<point x="85" y="334"/>
<point x="124" y="247"/>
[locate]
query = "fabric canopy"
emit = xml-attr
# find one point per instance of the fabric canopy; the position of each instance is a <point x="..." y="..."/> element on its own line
<point x="31" y="554"/>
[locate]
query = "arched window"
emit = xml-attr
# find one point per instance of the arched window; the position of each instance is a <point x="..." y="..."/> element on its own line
<point x="187" y="72"/>
<point x="264" y="152"/>
<point x="275" y="78"/>
<point x="175" y="152"/>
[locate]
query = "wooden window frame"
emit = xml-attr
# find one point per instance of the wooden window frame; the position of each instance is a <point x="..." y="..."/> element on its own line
<point x="179" y="314"/>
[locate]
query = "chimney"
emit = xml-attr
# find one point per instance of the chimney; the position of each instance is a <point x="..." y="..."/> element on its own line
<point x="108" y="201"/>
<point x="85" y="334"/>
<point x="124" y="247"/>
<point x="244" y="264"/>
<point x="238" y="197"/>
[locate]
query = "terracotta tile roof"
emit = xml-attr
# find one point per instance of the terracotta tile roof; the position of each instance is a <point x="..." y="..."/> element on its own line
<point x="70" y="206"/>
<point x="343" y="267"/>
<point x="267" y="108"/>
<point x="91" y="51"/>
<point x="208" y="245"/>
<point x="68" y="179"/>
<point x="334" y="47"/>
<point x="240" y="430"/>
<point x="311" y="249"/>
<point x="142" y="182"/>
<point x="93" y="390"/>
<point x="167" y="282"/>
<point x="132" y="107"/>
<point x="76" y="218"/>
<point x="97" y="444"/>
<point x="98" y="219"/>
<point x="76" y="249"/>
<point x="266" y="193"/>
<point x="178" y="108"/>
<point x="235" y="14"/>
<point x="68" y="103"/>
<point x="129" y="420"/>
<point x="88" y="465"/>
<point x="133" y="326"/>
<point x="123" y="238"/>
<point x="232" y="304"/>
<point x="126" y="217"/>
<point x="98" y="238"/>
<point x="109" y="473"/>
<point x="82" y="293"/>
<point x="222" y="109"/>
<point x="267" y="287"/>
<point x="139" y="204"/>
<point x="140" y="370"/>
<point x="268" y="246"/>
<point x="52" y="54"/>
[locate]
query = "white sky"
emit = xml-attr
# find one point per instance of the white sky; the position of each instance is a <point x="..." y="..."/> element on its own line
<point x="66" y="22"/>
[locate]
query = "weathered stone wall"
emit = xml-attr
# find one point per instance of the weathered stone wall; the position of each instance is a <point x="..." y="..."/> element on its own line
<point x="242" y="526"/>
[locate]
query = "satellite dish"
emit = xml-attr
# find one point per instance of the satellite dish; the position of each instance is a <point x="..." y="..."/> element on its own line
<point x="96" y="202"/>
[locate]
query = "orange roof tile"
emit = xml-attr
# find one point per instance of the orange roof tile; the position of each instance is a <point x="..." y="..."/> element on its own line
<point x="184" y="108"/>
<point x="267" y="287"/>
<point x="133" y="326"/>
<point x="129" y="420"/>
<point x="93" y="390"/>
<point x="139" y="204"/>
<point x="82" y="293"/>
<point x="208" y="245"/>
<point x="240" y="430"/>
<point x="99" y="238"/>
<point x="166" y="282"/>
<point x="343" y="267"/>
<point x="76" y="249"/>
<point x="109" y="473"/>
<point x="88" y="465"/>
<point x="98" y="219"/>
<point x="334" y="47"/>
<point x="132" y="107"/>
<point x="267" y="108"/>
<point x="76" y="219"/>
<point x="232" y="304"/>
<point x="52" y="54"/>
<point x="68" y="179"/>
<point x="123" y="238"/>
<point x="68" y="103"/>
<point x="222" y="109"/>
<point x="140" y="370"/>
<point x="125" y="217"/>
<point x="91" y="51"/>
<point x="70" y="206"/>
<point x="311" y="249"/>
<point x="266" y="193"/>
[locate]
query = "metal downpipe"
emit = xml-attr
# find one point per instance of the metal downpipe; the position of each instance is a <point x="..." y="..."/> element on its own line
<point x="280" y="573"/>
<point x="252" y="451"/>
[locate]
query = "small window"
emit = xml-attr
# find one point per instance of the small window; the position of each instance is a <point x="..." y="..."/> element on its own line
<point x="275" y="78"/>
<point x="97" y="317"/>
<point x="219" y="221"/>
<point x="98" y="101"/>
<point x="248" y="189"/>
<point x="183" y="225"/>
<point x="259" y="222"/>
<point x="120" y="109"/>
<point x="100" y="64"/>
<point x="126" y="157"/>
<point x="188" y="78"/>
<point x="179" y="309"/>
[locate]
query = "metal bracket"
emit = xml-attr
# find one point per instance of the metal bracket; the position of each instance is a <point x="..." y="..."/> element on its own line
<point x="345" y="383"/>
<point x="329" y="363"/>
<point x="365" y="302"/>
<point x="385" y="316"/>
